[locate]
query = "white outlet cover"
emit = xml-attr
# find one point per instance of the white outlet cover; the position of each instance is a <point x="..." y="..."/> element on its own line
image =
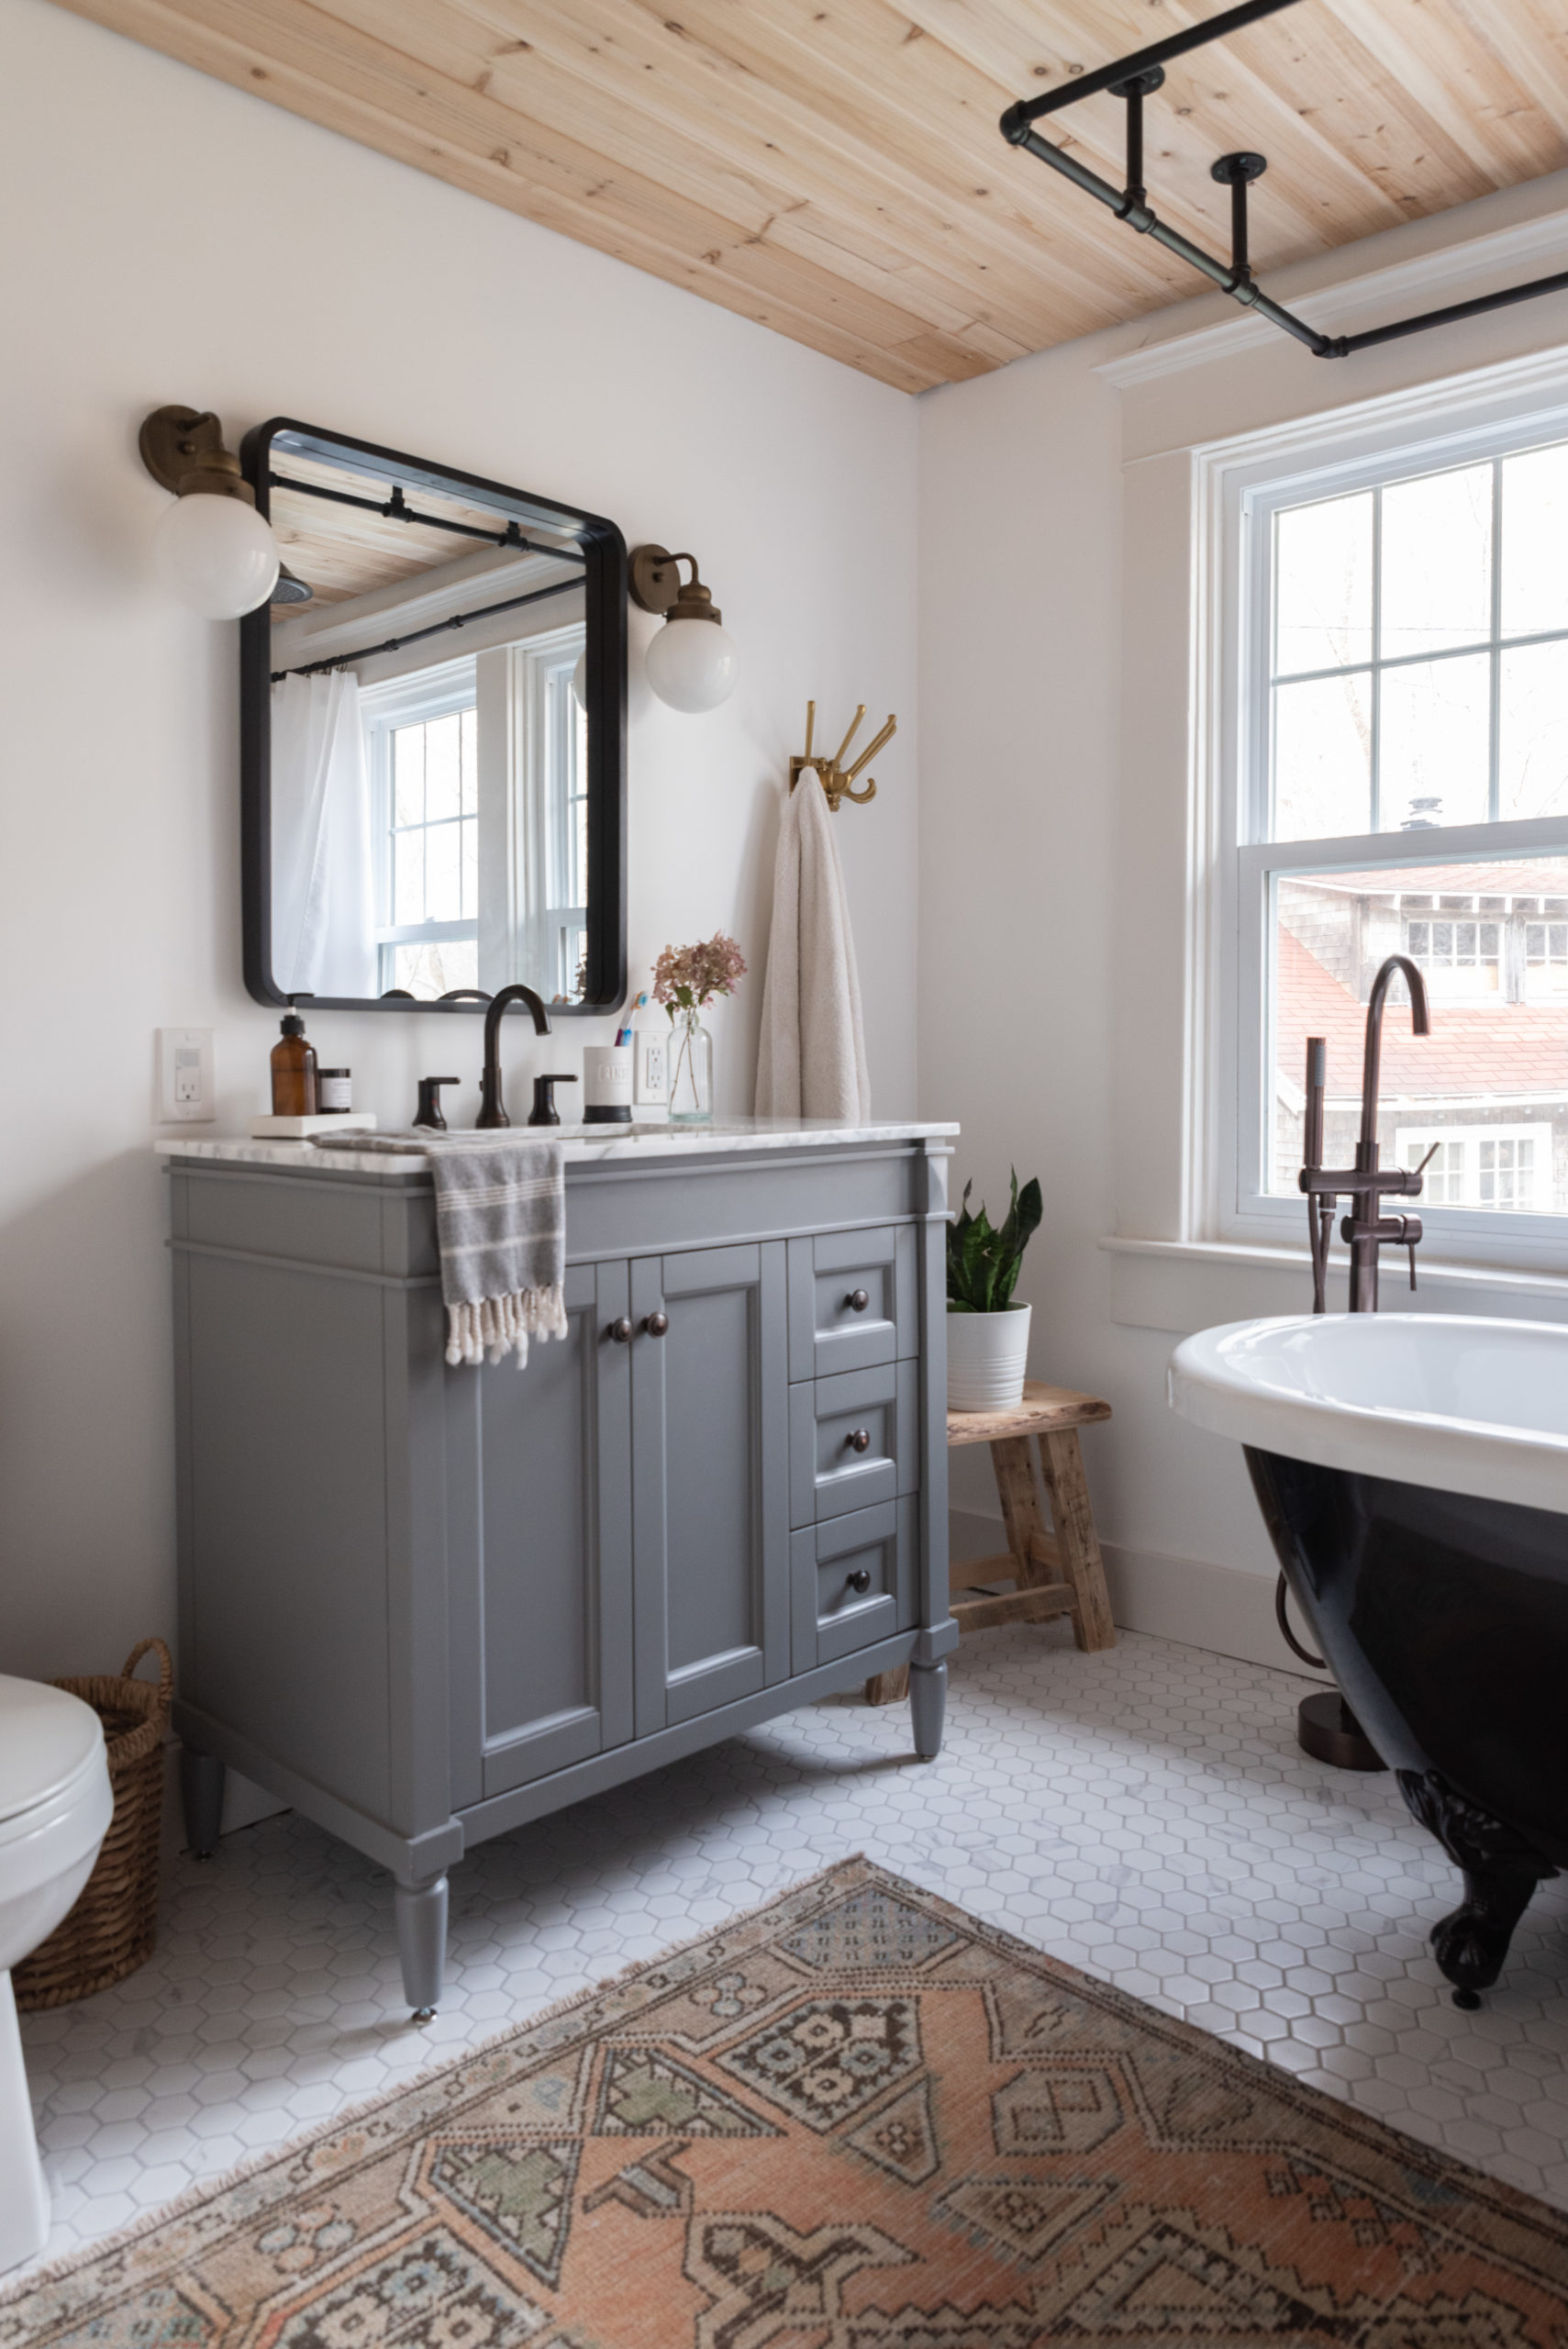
<point x="187" y="1095"/>
<point x="653" y="1066"/>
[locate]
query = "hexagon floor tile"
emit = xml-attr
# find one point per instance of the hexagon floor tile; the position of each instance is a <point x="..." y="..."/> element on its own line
<point x="1145" y="1814"/>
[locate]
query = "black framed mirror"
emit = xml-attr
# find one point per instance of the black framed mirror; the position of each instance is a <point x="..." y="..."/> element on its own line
<point x="433" y="737"/>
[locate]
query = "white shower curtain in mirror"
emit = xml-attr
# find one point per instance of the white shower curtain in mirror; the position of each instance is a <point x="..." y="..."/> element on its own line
<point x="323" y="874"/>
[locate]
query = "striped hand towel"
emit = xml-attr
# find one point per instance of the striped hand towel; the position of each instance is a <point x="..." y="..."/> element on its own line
<point x="501" y="1226"/>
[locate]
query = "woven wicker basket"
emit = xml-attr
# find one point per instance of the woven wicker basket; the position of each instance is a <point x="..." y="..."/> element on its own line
<point x="112" y="1928"/>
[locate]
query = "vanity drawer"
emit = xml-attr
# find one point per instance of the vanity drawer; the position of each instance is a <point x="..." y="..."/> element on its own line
<point x="853" y="1582"/>
<point x="851" y="1300"/>
<point x="853" y="1442"/>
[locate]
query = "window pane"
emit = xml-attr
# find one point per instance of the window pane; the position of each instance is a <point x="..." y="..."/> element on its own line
<point x="1322" y="759"/>
<point x="408" y="878"/>
<point x="1535" y="532"/>
<point x="1436" y="744"/>
<point x="409" y="774"/>
<point x="443" y="873"/>
<point x="1533" y="750"/>
<point x="1436" y="562"/>
<point x="443" y="774"/>
<point x="1490" y="1082"/>
<point x="1323" y="585"/>
<point x="428" y="971"/>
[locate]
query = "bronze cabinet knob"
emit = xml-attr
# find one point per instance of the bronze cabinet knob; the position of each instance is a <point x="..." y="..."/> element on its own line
<point x="860" y="1581"/>
<point x="858" y="1300"/>
<point x="620" y="1331"/>
<point x="656" y="1324"/>
<point x="859" y="1440"/>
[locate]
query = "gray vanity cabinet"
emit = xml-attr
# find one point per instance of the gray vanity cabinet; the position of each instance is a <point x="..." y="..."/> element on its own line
<point x="428" y="1604"/>
<point x="711" y="1469"/>
<point x="538" y="1514"/>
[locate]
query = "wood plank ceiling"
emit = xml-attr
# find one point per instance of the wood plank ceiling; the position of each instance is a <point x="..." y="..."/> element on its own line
<point x="832" y="168"/>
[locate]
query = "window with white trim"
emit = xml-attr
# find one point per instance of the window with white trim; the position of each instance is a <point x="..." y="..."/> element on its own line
<point x="423" y="737"/>
<point x="1402" y="788"/>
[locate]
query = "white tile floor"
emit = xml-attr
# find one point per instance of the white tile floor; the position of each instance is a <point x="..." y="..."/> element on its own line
<point x="1145" y="1814"/>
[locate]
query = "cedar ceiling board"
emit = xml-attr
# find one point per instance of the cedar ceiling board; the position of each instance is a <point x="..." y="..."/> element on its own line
<point x="714" y="86"/>
<point x="832" y="168"/>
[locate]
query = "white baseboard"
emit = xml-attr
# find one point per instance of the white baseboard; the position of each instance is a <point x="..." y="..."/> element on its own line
<point x="1223" y="1609"/>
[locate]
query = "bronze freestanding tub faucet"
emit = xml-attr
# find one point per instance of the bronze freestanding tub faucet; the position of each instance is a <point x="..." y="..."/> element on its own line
<point x="492" y="1108"/>
<point x="1327" y="1729"/>
<point x="1366" y="1229"/>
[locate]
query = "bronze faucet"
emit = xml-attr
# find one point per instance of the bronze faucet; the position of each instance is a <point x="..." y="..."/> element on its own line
<point x="1366" y="1229"/>
<point x="492" y="1108"/>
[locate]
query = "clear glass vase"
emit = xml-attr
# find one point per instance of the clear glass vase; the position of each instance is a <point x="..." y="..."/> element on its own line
<point x="691" y="1071"/>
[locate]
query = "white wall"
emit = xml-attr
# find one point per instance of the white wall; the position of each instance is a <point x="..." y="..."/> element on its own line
<point x="1060" y="776"/>
<point x="171" y="239"/>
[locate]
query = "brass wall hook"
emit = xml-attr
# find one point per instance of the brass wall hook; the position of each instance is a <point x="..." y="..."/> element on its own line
<point x="837" y="779"/>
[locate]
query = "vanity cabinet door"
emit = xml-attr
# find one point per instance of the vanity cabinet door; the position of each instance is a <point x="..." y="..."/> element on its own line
<point x="544" y="1464"/>
<point x="710" y="1479"/>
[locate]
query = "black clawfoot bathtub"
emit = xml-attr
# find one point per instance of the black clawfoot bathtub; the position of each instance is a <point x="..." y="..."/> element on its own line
<point x="1413" y="1473"/>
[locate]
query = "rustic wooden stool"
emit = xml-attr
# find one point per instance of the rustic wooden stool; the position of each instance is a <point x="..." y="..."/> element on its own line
<point x="1060" y="1574"/>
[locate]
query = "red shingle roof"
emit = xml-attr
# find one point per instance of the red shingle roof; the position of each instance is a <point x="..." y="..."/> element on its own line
<point x="1503" y="1048"/>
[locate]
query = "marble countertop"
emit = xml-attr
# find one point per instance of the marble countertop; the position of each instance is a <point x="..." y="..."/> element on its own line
<point x="581" y="1145"/>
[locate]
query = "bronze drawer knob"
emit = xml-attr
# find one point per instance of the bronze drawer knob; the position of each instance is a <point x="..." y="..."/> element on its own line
<point x="860" y="1581"/>
<point x="656" y="1324"/>
<point x="859" y="1440"/>
<point x="858" y="1300"/>
<point x="620" y="1331"/>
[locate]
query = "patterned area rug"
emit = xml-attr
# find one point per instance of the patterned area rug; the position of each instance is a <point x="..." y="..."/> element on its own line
<point x="855" y="2119"/>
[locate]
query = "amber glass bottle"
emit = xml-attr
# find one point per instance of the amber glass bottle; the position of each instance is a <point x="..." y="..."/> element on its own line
<point x="294" y="1072"/>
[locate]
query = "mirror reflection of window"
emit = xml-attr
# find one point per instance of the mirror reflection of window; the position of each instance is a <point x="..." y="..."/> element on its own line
<point x="422" y="735"/>
<point x="430" y="812"/>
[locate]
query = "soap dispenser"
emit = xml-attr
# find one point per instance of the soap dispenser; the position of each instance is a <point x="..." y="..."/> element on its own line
<point x="293" y="1071"/>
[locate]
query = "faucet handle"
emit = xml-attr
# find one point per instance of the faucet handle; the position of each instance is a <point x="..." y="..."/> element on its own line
<point x="428" y="1112"/>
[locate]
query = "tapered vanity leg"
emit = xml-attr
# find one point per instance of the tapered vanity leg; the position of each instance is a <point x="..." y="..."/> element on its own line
<point x="422" y="1943"/>
<point x="927" y="1705"/>
<point x="201" y="1793"/>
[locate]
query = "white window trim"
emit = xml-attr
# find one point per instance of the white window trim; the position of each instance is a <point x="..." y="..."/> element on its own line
<point x="1515" y="406"/>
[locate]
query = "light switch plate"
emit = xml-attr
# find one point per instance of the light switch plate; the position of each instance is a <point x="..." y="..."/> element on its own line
<point x="187" y="1095"/>
<point x="652" y="1082"/>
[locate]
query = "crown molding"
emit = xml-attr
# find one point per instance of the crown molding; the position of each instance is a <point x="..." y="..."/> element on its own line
<point x="1528" y="248"/>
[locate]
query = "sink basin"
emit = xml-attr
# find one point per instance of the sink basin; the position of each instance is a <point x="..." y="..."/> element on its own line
<point x="1450" y="1401"/>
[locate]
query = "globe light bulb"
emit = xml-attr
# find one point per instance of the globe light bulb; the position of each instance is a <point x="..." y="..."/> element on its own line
<point x="217" y="554"/>
<point x="692" y="664"/>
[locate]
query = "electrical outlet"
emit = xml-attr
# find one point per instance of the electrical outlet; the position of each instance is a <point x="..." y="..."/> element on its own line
<point x="187" y="1092"/>
<point x="653" y="1066"/>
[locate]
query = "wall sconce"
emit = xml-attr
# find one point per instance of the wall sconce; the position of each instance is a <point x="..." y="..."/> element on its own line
<point x="691" y="666"/>
<point x="213" y="549"/>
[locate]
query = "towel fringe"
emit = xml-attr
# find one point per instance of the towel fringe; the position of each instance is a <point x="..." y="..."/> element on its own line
<point x="499" y="1326"/>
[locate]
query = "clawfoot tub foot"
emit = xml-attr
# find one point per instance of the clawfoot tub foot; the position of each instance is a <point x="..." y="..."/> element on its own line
<point x="1500" y="1872"/>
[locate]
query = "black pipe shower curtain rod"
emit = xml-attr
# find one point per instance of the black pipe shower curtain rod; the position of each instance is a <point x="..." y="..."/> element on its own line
<point x="418" y="635"/>
<point x="397" y="509"/>
<point x="1135" y="77"/>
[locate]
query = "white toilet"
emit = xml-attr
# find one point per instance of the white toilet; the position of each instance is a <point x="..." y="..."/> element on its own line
<point x="55" y="1808"/>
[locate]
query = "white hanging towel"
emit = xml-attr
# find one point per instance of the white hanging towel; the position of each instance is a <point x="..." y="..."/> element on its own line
<point x="812" y="1059"/>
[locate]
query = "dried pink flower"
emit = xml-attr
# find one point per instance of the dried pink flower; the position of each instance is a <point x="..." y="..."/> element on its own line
<point x="685" y="977"/>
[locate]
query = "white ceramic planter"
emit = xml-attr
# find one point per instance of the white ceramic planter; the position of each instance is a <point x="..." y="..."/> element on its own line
<point x="987" y="1356"/>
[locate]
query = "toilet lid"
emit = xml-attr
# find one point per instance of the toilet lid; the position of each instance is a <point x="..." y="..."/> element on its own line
<point x="46" y="1737"/>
